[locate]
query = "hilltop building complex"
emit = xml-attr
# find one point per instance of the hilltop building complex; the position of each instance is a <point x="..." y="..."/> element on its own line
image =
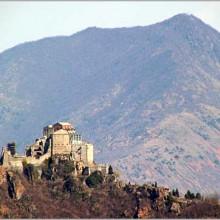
<point x="59" y="141"/>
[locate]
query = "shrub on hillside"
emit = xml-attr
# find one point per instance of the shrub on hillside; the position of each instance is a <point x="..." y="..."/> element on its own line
<point x="95" y="179"/>
<point x="64" y="168"/>
<point x="47" y="169"/>
<point x="68" y="167"/>
<point x="47" y="173"/>
<point x="169" y="201"/>
<point x="69" y="185"/>
<point x="154" y="194"/>
<point x="75" y="188"/>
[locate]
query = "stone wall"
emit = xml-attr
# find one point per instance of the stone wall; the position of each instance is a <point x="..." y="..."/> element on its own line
<point x="87" y="153"/>
<point x="37" y="162"/>
<point x="16" y="162"/>
<point x="61" y="142"/>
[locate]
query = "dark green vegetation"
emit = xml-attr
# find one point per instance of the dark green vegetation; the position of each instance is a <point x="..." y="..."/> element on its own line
<point x="95" y="179"/>
<point x="190" y="195"/>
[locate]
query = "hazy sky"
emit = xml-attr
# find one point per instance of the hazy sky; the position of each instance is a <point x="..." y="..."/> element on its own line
<point x="27" y="21"/>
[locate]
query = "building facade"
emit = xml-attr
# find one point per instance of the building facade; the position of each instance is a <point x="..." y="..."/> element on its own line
<point x="58" y="140"/>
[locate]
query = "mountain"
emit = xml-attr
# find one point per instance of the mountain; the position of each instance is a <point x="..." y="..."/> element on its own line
<point x="147" y="97"/>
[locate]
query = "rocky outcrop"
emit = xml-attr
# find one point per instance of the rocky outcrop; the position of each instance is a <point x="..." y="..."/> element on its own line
<point x="152" y="201"/>
<point x="175" y="208"/>
<point x="15" y="187"/>
<point x="2" y="175"/>
<point x="19" y="189"/>
<point x="144" y="209"/>
<point x="4" y="210"/>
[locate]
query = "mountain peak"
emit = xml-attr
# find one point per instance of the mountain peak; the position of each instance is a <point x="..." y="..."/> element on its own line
<point x="184" y="16"/>
<point x="188" y="23"/>
<point x="184" y="19"/>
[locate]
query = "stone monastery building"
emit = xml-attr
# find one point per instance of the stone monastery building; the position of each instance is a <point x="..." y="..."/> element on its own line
<point x="58" y="141"/>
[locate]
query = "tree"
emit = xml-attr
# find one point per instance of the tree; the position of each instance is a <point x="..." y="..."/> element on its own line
<point x="95" y="179"/>
<point x="193" y="196"/>
<point x="68" y="167"/>
<point x="29" y="171"/>
<point x="189" y="195"/>
<point x="154" y="194"/>
<point x="49" y="163"/>
<point x="47" y="169"/>
<point x="198" y="196"/>
<point x="169" y="201"/>
<point x="110" y="170"/>
<point x="75" y="188"/>
<point x="177" y="193"/>
<point x="68" y="185"/>
<point x="47" y="173"/>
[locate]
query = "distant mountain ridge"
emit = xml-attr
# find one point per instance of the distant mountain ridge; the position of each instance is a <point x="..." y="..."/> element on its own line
<point x="147" y="97"/>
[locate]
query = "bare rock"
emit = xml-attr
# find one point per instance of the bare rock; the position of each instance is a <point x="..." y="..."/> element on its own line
<point x="19" y="189"/>
<point x="144" y="211"/>
<point x="175" y="208"/>
<point x="2" y="175"/>
<point x="15" y="187"/>
<point x="4" y="211"/>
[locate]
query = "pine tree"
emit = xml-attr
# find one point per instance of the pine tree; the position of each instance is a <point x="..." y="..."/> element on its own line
<point x="177" y="193"/>
<point x="188" y="194"/>
<point x="198" y="196"/>
<point x="192" y="196"/>
<point x="110" y="170"/>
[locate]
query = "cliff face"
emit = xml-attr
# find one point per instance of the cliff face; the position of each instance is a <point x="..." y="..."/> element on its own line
<point x="147" y="97"/>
